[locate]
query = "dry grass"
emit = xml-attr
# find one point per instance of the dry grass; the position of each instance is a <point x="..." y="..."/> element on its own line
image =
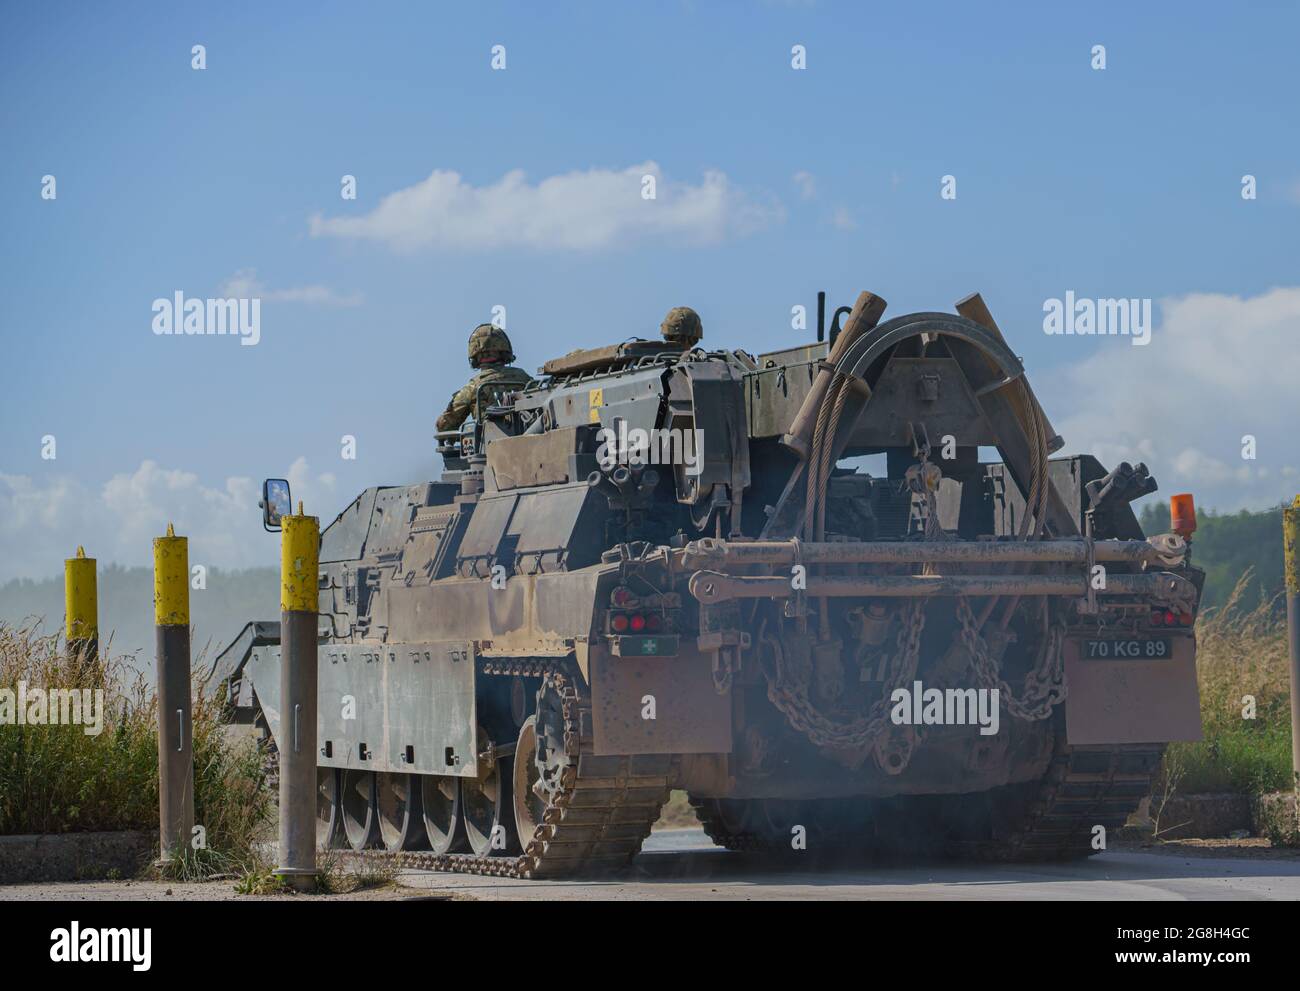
<point x="344" y="876"/>
<point x="59" y="779"/>
<point x="1241" y="655"/>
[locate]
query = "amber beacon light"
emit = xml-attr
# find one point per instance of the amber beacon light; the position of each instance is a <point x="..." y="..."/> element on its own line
<point x="1182" y="515"/>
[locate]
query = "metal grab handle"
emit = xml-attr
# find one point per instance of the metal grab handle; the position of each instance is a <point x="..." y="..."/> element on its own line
<point x="180" y="730"/>
<point x="297" y="711"/>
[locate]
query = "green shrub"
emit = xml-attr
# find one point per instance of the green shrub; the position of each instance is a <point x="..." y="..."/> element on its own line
<point x="1240" y="652"/>
<point x="59" y="779"/>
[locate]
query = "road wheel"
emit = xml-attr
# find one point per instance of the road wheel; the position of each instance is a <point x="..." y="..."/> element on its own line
<point x="329" y="817"/>
<point x="485" y="804"/>
<point x="529" y="806"/>
<point x="357" y="798"/>
<point x="440" y="802"/>
<point x="397" y="800"/>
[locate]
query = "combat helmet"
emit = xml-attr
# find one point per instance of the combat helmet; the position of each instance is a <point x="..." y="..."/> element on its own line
<point x="682" y="326"/>
<point x="487" y="338"/>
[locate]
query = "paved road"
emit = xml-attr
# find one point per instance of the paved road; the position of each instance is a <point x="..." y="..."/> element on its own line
<point x="683" y="864"/>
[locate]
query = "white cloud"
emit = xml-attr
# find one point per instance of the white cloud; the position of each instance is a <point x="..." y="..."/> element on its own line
<point x="1218" y="368"/>
<point x="842" y="219"/>
<point x="42" y="522"/>
<point x="806" y="184"/>
<point x="245" y="284"/>
<point x="586" y="210"/>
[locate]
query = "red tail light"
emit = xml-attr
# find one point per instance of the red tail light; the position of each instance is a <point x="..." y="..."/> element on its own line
<point x="618" y="623"/>
<point x="637" y="622"/>
<point x="653" y="622"/>
<point x="1157" y="619"/>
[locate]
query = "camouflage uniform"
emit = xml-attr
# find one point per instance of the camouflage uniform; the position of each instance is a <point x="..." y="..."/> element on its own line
<point x="484" y="342"/>
<point x="462" y="403"/>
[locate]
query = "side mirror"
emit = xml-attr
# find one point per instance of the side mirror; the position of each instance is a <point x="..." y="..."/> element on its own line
<point x="275" y="502"/>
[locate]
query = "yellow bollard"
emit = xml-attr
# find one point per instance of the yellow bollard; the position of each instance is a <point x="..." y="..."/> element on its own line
<point x="81" y="602"/>
<point x="171" y="608"/>
<point x="299" y="603"/>
<point x="171" y="579"/>
<point x="299" y="551"/>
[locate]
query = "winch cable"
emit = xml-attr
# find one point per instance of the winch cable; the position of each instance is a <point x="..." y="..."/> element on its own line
<point x="1031" y="419"/>
<point x="822" y="447"/>
<point x="1045" y="676"/>
<point x="817" y="463"/>
<point x="818" y="466"/>
<point x="868" y="733"/>
<point x="1044" y="686"/>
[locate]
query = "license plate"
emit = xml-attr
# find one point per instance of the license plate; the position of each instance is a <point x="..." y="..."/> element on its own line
<point x="1127" y="650"/>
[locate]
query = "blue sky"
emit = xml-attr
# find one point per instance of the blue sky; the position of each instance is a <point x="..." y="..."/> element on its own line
<point x="1124" y="182"/>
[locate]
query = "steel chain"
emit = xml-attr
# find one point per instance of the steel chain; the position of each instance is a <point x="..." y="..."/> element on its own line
<point x="1044" y="686"/>
<point x="791" y="697"/>
<point x="1043" y="689"/>
<point x="875" y="731"/>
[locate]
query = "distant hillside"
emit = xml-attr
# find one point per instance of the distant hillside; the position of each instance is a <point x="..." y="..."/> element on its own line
<point x="1226" y="546"/>
<point x="217" y="612"/>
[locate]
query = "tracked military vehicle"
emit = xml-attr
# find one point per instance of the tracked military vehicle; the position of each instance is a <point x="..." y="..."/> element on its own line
<point x="519" y="659"/>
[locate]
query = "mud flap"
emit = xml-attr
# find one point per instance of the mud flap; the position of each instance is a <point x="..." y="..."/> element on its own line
<point x="690" y="717"/>
<point x="1132" y="701"/>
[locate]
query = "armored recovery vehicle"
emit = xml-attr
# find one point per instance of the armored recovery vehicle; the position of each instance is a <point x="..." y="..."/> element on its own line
<point x="653" y="568"/>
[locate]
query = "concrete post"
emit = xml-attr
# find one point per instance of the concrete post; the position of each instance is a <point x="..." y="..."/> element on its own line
<point x="171" y="606"/>
<point x="299" y="552"/>
<point x="81" y="605"/>
<point x="1291" y="562"/>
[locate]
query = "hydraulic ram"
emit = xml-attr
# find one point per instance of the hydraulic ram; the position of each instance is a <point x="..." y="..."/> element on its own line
<point x="712" y="553"/>
<point x="712" y="586"/>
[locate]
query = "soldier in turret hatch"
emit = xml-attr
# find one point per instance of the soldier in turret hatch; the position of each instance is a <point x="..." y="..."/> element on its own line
<point x="682" y="326"/>
<point x="489" y="352"/>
